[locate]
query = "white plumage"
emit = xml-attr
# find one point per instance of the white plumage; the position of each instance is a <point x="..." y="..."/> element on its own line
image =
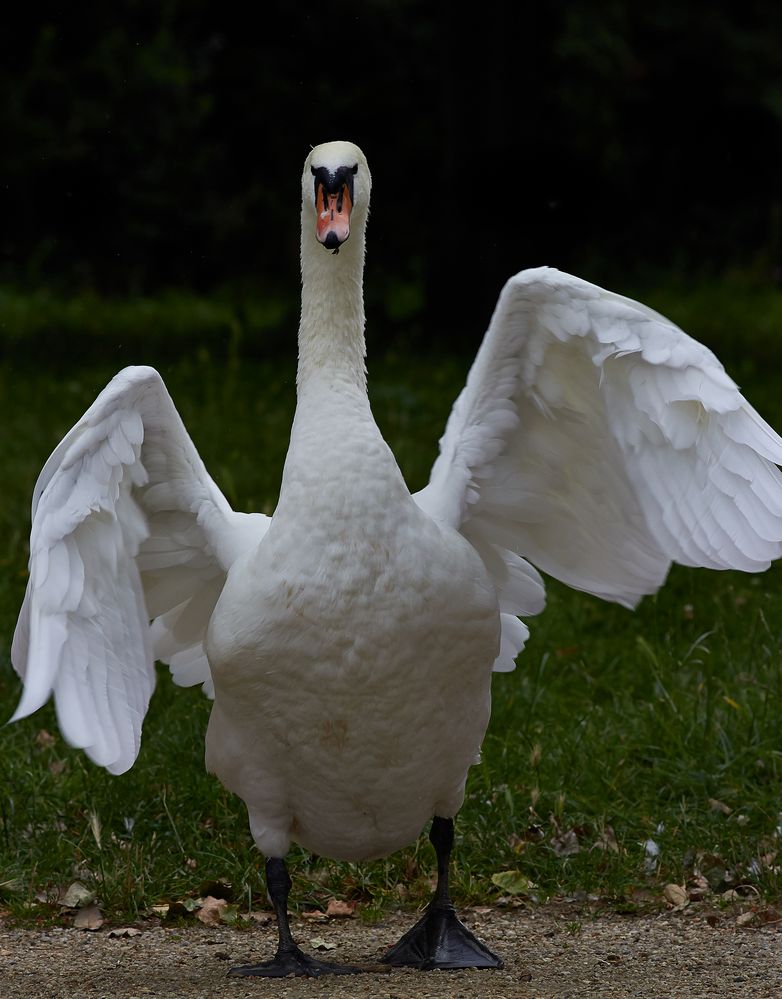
<point x="349" y="639"/>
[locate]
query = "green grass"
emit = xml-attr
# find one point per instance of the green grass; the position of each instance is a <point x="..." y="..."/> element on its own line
<point x="617" y="728"/>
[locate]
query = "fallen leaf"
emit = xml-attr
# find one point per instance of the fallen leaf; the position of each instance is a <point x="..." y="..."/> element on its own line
<point x="698" y="888"/>
<point x="45" y="739"/>
<point x="211" y="909"/>
<point x="337" y="909"/>
<point x="512" y="882"/>
<point x="88" y="918"/>
<point x="76" y="896"/>
<point x="314" y="916"/>
<point x="125" y="931"/>
<point x="745" y="919"/>
<point x="676" y="896"/>
<point x="318" y="943"/>
<point x="160" y="910"/>
<point x="719" y="806"/>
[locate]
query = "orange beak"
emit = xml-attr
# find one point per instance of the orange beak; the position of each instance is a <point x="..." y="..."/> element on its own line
<point x="333" y="223"/>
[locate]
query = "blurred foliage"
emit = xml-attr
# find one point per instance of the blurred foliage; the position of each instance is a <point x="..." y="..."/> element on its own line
<point x="156" y="145"/>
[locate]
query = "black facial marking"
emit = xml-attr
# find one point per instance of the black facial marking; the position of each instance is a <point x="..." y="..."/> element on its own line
<point x="336" y="182"/>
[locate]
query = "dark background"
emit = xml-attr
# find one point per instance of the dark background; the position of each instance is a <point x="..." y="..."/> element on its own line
<point x="147" y="146"/>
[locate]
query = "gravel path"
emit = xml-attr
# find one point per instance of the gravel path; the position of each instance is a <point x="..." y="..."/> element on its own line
<point x="547" y="955"/>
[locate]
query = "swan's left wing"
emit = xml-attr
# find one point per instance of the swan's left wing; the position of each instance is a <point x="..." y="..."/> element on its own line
<point x="127" y="528"/>
<point x="599" y="441"/>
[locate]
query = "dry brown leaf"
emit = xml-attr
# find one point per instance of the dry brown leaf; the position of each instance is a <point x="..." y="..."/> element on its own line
<point x="314" y="916"/>
<point x="746" y="919"/>
<point x="45" y="739"/>
<point x="337" y="909"/>
<point x="211" y="909"/>
<point x="125" y="931"/>
<point x="719" y="806"/>
<point x="88" y="918"/>
<point x="76" y="896"/>
<point x="676" y="896"/>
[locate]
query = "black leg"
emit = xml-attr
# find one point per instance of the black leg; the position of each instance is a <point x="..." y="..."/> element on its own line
<point x="439" y="939"/>
<point x="289" y="959"/>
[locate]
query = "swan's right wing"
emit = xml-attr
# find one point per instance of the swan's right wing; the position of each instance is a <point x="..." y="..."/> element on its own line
<point x="127" y="526"/>
<point x="599" y="441"/>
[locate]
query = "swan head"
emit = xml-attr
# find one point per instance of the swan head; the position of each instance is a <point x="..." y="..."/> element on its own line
<point x="335" y="192"/>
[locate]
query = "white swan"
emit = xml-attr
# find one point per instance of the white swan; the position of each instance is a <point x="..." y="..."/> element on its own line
<point x="350" y="638"/>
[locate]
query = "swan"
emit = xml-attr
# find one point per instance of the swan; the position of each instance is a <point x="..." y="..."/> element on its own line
<point x="349" y="640"/>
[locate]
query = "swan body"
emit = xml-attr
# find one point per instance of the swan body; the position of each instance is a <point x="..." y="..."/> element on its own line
<point x="360" y="737"/>
<point x="349" y="640"/>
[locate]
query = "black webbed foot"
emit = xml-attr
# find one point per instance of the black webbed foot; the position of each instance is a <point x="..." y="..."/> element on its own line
<point x="291" y="961"/>
<point x="440" y="940"/>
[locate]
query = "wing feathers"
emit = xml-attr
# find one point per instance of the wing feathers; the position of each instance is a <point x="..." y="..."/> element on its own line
<point x="598" y="440"/>
<point x="127" y="526"/>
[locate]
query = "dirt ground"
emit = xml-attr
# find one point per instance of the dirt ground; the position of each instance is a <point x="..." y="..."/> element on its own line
<point x="547" y="954"/>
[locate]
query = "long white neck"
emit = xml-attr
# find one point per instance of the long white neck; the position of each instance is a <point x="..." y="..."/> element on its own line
<point x="331" y="328"/>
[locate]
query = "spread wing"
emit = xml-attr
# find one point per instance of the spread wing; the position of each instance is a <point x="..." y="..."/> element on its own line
<point x="127" y="527"/>
<point x="598" y="440"/>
